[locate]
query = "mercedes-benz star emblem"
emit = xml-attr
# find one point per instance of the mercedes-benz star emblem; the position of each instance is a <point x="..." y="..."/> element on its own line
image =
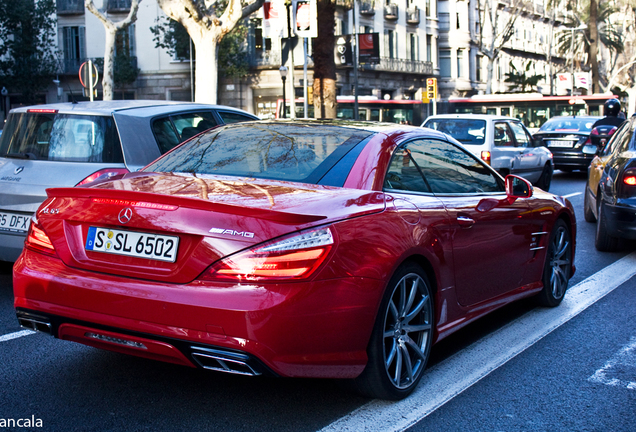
<point x="125" y="215"/>
<point x="18" y="170"/>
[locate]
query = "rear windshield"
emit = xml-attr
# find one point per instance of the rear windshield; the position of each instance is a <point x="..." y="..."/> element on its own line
<point x="568" y="125"/>
<point x="291" y="152"/>
<point x="61" y="137"/>
<point x="466" y="131"/>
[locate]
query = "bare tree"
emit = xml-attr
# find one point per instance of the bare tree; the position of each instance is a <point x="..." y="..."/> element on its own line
<point x="207" y="22"/>
<point x="497" y="20"/>
<point x="111" y="31"/>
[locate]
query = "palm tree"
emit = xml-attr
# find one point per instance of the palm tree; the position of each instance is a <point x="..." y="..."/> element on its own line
<point x="600" y="31"/>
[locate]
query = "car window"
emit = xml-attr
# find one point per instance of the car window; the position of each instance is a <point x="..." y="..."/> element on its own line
<point x="404" y="174"/>
<point x="503" y="136"/>
<point x="523" y="140"/>
<point x="63" y="137"/>
<point x="569" y="124"/>
<point x="233" y="117"/>
<point x="466" y="131"/>
<point x="445" y="169"/>
<point x="287" y="152"/>
<point x="172" y="130"/>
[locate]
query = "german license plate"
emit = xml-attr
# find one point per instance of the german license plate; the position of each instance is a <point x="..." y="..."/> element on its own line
<point x="132" y="243"/>
<point x="13" y="222"/>
<point x="560" y="144"/>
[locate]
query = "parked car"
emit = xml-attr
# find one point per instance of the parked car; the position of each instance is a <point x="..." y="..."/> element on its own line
<point x="320" y="249"/>
<point x="68" y="144"/>
<point x="502" y="142"/>
<point x="610" y="191"/>
<point x="565" y="136"/>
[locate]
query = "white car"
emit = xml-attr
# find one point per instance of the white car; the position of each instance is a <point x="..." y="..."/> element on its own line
<point x="502" y="142"/>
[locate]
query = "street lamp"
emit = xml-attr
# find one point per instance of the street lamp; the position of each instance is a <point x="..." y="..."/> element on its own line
<point x="4" y="92"/>
<point x="574" y="29"/>
<point x="283" y="76"/>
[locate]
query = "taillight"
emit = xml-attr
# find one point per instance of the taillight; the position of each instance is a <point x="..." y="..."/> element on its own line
<point x="38" y="240"/>
<point x="295" y="257"/>
<point x="104" y="174"/>
<point x="628" y="183"/>
<point x="485" y="156"/>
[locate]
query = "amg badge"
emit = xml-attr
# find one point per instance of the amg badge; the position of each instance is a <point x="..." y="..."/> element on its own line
<point x="232" y="232"/>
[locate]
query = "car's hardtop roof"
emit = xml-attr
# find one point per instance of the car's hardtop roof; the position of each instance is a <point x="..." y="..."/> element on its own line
<point x="370" y="126"/>
<point x="470" y="117"/>
<point x="131" y="107"/>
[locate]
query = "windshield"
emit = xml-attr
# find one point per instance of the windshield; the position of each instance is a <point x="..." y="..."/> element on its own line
<point x="568" y="124"/>
<point x="466" y="131"/>
<point x="290" y="152"/>
<point x="61" y="137"/>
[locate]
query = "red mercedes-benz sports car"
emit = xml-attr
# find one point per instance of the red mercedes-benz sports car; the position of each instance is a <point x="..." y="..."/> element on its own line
<point x="295" y="249"/>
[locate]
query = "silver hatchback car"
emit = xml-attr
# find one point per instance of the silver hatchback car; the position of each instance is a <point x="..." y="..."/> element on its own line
<point x="502" y="142"/>
<point x="70" y="144"/>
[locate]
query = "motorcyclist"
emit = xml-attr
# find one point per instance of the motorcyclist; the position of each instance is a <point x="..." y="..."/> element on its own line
<point x="611" y="109"/>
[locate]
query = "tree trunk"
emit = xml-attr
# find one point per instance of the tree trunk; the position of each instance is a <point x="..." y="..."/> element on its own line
<point x="324" y="65"/>
<point x="206" y="71"/>
<point x="108" y="79"/>
<point x="594" y="46"/>
<point x="489" y="74"/>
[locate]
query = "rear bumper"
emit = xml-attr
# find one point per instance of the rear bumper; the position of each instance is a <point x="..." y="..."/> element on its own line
<point x="319" y="329"/>
<point x="572" y="160"/>
<point x="620" y="220"/>
<point x="11" y="245"/>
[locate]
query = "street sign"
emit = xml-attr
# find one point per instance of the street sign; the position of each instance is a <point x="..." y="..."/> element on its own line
<point x="88" y="76"/>
<point x="431" y="88"/>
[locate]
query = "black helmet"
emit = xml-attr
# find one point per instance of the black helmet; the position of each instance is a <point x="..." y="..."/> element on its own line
<point x="612" y="107"/>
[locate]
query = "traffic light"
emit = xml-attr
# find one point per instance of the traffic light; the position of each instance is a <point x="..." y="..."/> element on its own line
<point x="431" y="88"/>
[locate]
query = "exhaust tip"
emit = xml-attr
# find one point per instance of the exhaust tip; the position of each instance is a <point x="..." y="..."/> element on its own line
<point x="38" y="324"/>
<point x="223" y="361"/>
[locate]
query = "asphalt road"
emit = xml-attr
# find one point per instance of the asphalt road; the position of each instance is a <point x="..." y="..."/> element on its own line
<point x="575" y="377"/>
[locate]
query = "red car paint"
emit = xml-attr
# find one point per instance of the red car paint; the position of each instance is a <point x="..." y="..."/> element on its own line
<point x="481" y="251"/>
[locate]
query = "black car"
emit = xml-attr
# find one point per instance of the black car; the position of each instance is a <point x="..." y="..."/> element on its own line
<point x="615" y="197"/>
<point x="565" y="137"/>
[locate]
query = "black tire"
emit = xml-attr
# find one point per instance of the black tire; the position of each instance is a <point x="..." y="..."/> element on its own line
<point x="558" y="265"/>
<point x="546" y="178"/>
<point x="587" y="207"/>
<point x="401" y="339"/>
<point x="604" y="241"/>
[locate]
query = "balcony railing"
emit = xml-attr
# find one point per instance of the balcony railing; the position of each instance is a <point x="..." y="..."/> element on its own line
<point x="367" y="7"/>
<point x="119" y="5"/>
<point x="265" y="59"/>
<point x="70" y="7"/>
<point x="400" y="65"/>
<point x="391" y="12"/>
<point x="413" y="15"/>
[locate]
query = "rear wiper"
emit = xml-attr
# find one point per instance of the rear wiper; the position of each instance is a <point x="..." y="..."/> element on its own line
<point x="20" y="155"/>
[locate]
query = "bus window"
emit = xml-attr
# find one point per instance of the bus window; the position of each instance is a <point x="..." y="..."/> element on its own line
<point x="505" y="111"/>
<point x="375" y="115"/>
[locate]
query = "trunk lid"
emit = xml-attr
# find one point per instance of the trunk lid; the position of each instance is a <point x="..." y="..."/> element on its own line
<point x="212" y="217"/>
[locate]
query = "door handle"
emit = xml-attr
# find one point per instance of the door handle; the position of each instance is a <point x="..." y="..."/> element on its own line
<point x="465" y="221"/>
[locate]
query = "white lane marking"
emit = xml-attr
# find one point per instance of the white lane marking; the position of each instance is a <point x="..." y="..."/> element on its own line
<point x="625" y="361"/>
<point x="16" y="335"/>
<point x="572" y="194"/>
<point x="447" y="379"/>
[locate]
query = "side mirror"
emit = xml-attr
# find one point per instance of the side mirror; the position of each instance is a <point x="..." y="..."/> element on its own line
<point x="589" y="149"/>
<point x="517" y="187"/>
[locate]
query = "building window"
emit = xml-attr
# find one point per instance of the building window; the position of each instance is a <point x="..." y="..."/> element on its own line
<point x="390" y="44"/>
<point x="413" y="47"/>
<point x="458" y="19"/>
<point x="428" y="8"/>
<point x="444" y="21"/>
<point x="74" y="47"/>
<point x="445" y="63"/>
<point x="429" y="48"/>
<point x="461" y="70"/>
<point x="125" y="41"/>
<point x="478" y="68"/>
